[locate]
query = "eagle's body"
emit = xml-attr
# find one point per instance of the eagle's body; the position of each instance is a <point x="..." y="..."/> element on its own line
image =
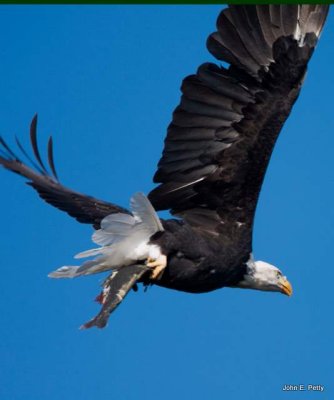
<point x="196" y="263"/>
<point x="216" y="153"/>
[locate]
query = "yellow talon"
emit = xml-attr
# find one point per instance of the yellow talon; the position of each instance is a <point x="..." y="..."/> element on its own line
<point x="158" y="265"/>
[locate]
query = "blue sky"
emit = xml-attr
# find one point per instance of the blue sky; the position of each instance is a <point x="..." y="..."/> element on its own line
<point x="104" y="81"/>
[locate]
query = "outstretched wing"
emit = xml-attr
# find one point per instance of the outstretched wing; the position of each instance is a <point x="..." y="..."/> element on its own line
<point x="85" y="209"/>
<point x="222" y="133"/>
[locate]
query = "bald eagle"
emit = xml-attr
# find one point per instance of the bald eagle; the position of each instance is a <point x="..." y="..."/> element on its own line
<point x="216" y="152"/>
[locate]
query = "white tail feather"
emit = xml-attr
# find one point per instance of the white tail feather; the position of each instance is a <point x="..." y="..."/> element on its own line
<point x="123" y="238"/>
<point x="114" y="228"/>
<point x="89" y="253"/>
<point x="143" y="210"/>
<point x="64" y="272"/>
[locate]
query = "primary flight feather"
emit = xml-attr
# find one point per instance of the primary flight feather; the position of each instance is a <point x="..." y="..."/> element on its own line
<point x="216" y="153"/>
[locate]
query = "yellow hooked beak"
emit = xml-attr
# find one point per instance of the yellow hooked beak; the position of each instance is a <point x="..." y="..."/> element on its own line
<point x="286" y="287"/>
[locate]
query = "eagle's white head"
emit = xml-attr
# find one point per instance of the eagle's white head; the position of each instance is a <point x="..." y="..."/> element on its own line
<point x="264" y="276"/>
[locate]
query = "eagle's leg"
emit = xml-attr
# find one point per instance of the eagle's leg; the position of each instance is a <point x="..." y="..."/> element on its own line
<point x="158" y="265"/>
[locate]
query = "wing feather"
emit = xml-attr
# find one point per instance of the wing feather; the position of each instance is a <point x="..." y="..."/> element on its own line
<point x="220" y="140"/>
<point x="85" y="209"/>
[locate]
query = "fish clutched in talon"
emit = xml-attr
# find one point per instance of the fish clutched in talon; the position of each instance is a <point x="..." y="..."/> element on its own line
<point x="114" y="290"/>
<point x="102" y="296"/>
<point x="158" y="266"/>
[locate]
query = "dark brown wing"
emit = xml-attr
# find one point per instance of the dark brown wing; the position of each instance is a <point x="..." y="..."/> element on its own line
<point x="85" y="209"/>
<point x="222" y="134"/>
